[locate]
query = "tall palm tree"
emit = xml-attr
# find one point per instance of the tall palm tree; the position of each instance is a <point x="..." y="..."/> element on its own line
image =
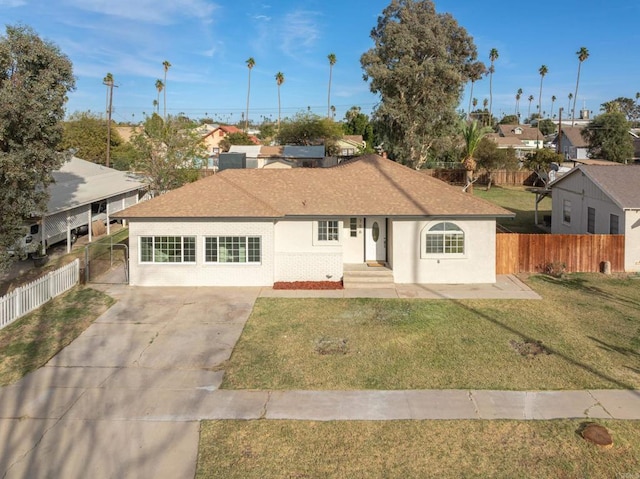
<point x="553" y="100"/>
<point x="279" y="82"/>
<point x="493" y="56"/>
<point x="476" y="73"/>
<point x="332" y="61"/>
<point x="583" y="54"/>
<point x="166" y="65"/>
<point x="518" y="96"/>
<point x="474" y="102"/>
<point x="569" y="106"/>
<point x="159" y="87"/>
<point x="250" y="64"/>
<point x="530" y="100"/>
<point x="543" y="71"/>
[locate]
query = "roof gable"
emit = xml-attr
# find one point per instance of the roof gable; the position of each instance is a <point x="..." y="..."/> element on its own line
<point x="370" y="185"/>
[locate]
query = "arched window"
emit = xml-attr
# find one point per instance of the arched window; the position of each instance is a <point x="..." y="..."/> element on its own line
<point x="444" y="238"/>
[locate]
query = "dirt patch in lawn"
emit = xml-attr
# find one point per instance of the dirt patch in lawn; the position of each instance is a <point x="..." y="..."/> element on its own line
<point x="308" y="285"/>
<point x="529" y="349"/>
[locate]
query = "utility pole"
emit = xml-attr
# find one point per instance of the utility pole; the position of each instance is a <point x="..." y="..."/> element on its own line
<point x="108" y="81"/>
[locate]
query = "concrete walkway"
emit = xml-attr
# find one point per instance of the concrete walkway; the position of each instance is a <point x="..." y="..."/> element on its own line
<point x="126" y="397"/>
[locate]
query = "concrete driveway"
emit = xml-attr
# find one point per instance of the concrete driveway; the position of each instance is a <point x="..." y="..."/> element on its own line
<point x="124" y="399"/>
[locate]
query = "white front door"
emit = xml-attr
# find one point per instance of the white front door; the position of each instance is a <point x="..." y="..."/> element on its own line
<point x="375" y="243"/>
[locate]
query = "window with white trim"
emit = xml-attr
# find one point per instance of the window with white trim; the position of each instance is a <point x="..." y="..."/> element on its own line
<point x="566" y="212"/>
<point x="232" y="249"/>
<point x="353" y="227"/>
<point x="444" y="238"/>
<point x="614" y="224"/>
<point x="167" y="249"/>
<point x="328" y="230"/>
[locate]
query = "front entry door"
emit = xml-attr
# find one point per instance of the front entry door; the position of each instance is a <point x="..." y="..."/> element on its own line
<point x="375" y="239"/>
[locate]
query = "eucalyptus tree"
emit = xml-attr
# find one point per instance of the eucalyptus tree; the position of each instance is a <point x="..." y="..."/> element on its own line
<point x="583" y="54"/>
<point x="332" y="61"/>
<point x="418" y="66"/>
<point x="493" y="56"/>
<point x="543" y="71"/>
<point x="250" y="64"/>
<point x="35" y="78"/>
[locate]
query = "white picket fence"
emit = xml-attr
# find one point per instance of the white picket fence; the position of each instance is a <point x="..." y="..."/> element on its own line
<point x="26" y="298"/>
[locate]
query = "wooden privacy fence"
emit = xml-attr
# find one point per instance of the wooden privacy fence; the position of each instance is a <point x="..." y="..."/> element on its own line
<point x="532" y="253"/>
<point x="500" y="177"/>
<point x="26" y="298"/>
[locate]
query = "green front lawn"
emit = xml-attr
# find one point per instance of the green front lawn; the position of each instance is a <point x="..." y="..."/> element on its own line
<point x="589" y="325"/>
<point x="414" y="449"/>
<point x="521" y="202"/>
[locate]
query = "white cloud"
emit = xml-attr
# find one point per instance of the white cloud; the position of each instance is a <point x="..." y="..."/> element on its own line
<point x="12" y="3"/>
<point x="148" y="11"/>
<point x="299" y="32"/>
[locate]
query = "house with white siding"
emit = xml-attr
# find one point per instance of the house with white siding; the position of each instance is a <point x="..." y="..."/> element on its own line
<point x="600" y="199"/>
<point x="255" y="227"/>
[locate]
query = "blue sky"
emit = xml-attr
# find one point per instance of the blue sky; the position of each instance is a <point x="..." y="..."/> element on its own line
<point x="208" y="42"/>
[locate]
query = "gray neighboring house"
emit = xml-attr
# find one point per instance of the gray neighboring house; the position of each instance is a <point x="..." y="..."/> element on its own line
<point x="82" y="192"/>
<point x="599" y="199"/>
<point x="572" y="145"/>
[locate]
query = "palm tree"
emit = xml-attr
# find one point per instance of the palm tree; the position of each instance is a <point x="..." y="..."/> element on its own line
<point x="583" y="54"/>
<point x="332" y="61"/>
<point x="493" y="56"/>
<point x="570" y="98"/>
<point x="518" y="96"/>
<point x="155" y="105"/>
<point x="279" y="82"/>
<point x="159" y="87"/>
<point x="530" y="100"/>
<point x="543" y="71"/>
<point x="553" y="100"/>
<point x="166" y="66"/>
<point x="250" y="64"/>
<point x="477" y="70"/>
<point x="472" y="133"/>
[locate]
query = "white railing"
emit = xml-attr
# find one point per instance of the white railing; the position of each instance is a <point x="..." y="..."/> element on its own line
<point x="26" y="298"/>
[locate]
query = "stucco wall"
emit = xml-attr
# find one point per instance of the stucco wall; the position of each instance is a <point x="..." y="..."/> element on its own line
<point x="299" y="257"/>
<point x="201" y="274"/>
<point x="476" y="265"/>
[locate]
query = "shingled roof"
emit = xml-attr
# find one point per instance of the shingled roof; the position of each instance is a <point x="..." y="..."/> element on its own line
<point x="368" y="186"/>
<point x="620" y="183"/>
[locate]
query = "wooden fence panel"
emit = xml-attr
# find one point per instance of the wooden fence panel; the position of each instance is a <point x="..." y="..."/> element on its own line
<point x="457" y="176"/>
<point x="531" y="253"/>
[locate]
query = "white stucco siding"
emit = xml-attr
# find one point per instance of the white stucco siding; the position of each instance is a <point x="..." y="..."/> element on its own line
<point x="353" y="246"/>
<point x="298" y="256"/>
<point x="632" y="241"/>
<point x="201" y="273"/>
<point x="476" y="265"/>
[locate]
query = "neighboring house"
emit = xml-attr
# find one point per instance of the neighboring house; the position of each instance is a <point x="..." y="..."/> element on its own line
<point x="571" y="143"/>
<point x="255" y="156"/>
<point x="305" y="156"/>
<point x="262" y="156"/>
<point x="522" y="138"/>
<point x="599" y="199"/>
<point x="211" y="139"/>
<point x="83" y="192"/>
<point x="254" y="227"/>
<point x="350" y="145"/>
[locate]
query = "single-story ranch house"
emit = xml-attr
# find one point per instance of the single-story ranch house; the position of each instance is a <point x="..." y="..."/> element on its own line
<point x="254" y="227"/>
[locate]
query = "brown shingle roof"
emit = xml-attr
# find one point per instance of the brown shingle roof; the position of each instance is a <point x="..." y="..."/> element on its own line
<point x="574" y="135"/>
<point x="528" y="132"/>
<point x="370" y="185"/>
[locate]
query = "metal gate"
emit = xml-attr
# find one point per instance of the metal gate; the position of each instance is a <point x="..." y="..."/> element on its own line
<point x="106" y="263"/>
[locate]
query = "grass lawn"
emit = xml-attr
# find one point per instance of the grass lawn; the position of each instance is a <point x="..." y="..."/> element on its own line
<point x="412" y="449"/>
<point x="521" y="202"/>
<point x="589" y="323"/>
<point x="31" y="341"/>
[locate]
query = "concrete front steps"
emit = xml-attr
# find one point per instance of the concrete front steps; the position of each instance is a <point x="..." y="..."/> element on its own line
<point x="361" y="276"/>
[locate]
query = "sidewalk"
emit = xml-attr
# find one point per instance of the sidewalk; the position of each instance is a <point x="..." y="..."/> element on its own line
<point x="505" y="287"/>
